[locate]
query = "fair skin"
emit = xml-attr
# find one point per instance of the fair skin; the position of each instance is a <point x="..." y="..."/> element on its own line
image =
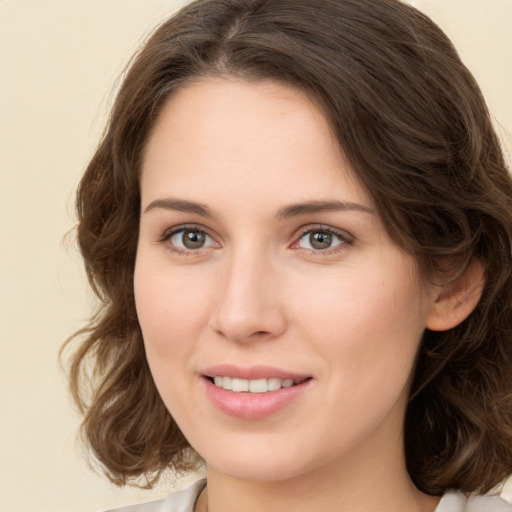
<point x="260" y="256"/>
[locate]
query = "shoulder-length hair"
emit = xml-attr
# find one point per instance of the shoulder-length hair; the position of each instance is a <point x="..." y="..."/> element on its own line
<point x="413" y="123"/>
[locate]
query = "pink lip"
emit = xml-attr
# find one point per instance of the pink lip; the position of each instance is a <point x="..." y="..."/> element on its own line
<point x="253" y="406"/>
<point x="251" y="372"/>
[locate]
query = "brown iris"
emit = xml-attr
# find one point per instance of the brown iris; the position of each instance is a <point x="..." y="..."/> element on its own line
<point x="193" y="239"/>
<point x="320" y="240"/>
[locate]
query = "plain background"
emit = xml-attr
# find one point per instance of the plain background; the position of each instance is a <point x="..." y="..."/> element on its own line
<point x="59" y="61"/>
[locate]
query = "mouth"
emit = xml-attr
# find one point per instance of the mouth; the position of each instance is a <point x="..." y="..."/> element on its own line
<point x="263" y="385"/>
<point x="254" y="393"/>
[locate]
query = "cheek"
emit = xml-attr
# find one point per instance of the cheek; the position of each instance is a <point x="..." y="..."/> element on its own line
<point x="168" y="314"/>
<point x="171" y="311"/>
<point x="369" y="323"/>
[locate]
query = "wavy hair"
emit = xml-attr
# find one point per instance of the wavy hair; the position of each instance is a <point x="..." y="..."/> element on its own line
<point x="414" y="125"/>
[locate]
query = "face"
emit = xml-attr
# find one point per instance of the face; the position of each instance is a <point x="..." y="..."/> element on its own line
<point x="280" y="322"/>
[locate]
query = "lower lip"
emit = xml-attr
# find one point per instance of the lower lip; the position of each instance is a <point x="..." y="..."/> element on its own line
<point x="253" y="406"/>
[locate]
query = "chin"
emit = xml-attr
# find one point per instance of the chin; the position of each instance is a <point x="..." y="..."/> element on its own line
<point x="267" y="472"/>
<point x="254" y="463"/>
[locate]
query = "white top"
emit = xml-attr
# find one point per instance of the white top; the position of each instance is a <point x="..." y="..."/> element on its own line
<point x="452" y="501"/>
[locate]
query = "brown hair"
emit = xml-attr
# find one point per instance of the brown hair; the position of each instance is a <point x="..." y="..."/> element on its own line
<point x="413" y="123"/>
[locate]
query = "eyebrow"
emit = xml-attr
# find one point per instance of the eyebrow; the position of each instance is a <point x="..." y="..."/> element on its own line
<point x="180" y="205"/>
<point x="295" y="210"/>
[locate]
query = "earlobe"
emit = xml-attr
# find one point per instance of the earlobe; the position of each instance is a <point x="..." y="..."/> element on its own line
<point x="455" y="300"/>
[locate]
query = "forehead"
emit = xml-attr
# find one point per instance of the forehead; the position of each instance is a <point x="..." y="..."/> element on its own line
<point x="262" y="136"/>
<point x="215" y="107"/>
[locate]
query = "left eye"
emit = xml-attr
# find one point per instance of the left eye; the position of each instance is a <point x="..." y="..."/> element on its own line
<point x="191" y="239"/>
<point x="320" y="240"/>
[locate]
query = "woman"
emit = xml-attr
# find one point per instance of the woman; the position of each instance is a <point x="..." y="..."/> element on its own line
<point x="299" y="222"/>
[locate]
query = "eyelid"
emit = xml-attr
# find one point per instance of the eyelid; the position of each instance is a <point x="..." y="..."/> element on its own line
<point x="345" y="236"/>
<point x="170" y="232"/>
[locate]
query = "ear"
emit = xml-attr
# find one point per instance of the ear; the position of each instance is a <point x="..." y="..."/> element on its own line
<point x="454" y="301"/>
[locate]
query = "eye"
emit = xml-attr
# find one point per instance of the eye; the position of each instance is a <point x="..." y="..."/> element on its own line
<point x="185" y="239"/>
<point x="322" y="239"/>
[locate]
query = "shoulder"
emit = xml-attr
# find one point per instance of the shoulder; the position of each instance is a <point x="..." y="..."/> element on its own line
<point x="181" y="501"/>
<point x="456" y="501"/>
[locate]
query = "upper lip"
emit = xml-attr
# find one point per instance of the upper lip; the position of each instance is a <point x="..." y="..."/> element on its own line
<point x="252" y="372"/>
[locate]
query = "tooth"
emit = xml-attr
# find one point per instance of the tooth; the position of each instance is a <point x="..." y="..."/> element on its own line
<point x="227" y="383"/>
<point x="240" y="385"/>
<point x="253" y="386"/>
<point x="258" y="386"/>
<point x="273" y="384"/>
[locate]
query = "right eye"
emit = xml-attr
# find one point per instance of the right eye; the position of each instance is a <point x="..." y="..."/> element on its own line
<point x="186" y="240"/>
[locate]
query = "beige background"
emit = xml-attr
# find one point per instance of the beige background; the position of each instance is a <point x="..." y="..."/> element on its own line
<point x="58" y="62"/>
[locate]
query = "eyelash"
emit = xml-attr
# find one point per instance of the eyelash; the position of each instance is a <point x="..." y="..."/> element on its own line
<point x="343" y="237"/>
<point x="166" y="237"/>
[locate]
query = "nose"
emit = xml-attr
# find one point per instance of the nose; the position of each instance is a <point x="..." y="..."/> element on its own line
<point x="249" y="305"/>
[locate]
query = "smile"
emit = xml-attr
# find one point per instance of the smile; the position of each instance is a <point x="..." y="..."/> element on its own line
<point x="253" y="393"/>
<point x="253" y="385"/>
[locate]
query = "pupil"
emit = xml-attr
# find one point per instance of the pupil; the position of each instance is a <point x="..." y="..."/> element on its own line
<point x="193" y="239"/>
<point x="320" y="240"/>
